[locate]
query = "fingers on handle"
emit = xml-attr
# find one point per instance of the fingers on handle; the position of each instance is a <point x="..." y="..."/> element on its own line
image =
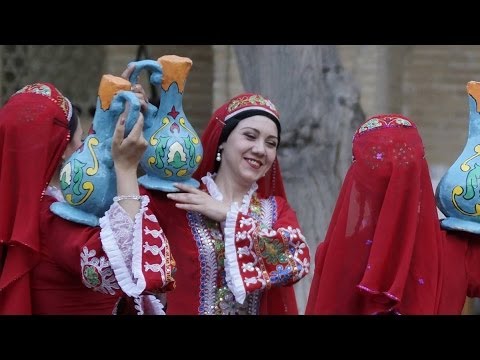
<point x="137" y="129"/>
<point x="120" y="127"/>
<point x="128" y="71"/>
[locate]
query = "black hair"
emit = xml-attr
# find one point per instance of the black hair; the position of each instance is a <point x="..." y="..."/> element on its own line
<point x="232" y="123"/>
<point x="73" y="123"/>
<point x="77" y="108"/>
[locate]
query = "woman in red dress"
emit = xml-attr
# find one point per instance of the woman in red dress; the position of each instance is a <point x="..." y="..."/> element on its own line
<point x="384" y="251"/>
<point x="49" y="265"/>
<point x="236" y="240"/>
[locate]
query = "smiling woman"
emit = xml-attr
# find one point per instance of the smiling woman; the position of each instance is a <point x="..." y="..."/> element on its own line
<point x="236" y="240"/>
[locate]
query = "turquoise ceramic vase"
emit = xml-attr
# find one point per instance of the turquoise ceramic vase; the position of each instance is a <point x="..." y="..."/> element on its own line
<point x="458" y="192"/>
<point x="174" y="150"/>
<point x="87" y="178"/>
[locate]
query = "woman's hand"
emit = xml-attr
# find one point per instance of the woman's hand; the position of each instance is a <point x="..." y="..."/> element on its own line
<point x="126" y="154"/>
<point x="197" y="200"/>
<point x="127" y="151"/>
<point x="137" y="89"/>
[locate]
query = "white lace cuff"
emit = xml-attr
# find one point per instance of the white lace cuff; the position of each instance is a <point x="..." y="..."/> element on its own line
<point x="122" y="242"/>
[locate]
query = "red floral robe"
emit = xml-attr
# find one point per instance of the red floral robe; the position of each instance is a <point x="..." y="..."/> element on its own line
<point x="85" y="270"/>
<point x="243" y="266"/>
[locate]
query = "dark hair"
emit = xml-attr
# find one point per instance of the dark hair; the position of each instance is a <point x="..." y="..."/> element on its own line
<point x="73" y="123"/>
<point x="232" y="123"/>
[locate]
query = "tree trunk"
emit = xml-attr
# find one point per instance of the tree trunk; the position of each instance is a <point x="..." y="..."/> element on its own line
<point x="320" y="110"/>
<point x="390" y="78"/>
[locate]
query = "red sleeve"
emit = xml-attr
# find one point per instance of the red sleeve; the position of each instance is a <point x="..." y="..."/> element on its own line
<point x="141" y="259"/>
<point x="77" y="248"/>
<point x="265" y="251"/>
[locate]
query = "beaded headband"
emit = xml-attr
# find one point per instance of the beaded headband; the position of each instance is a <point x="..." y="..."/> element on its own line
<point x="384" y="121"/>
<point x="250" y="102"/>
<point x="51" y="93"/>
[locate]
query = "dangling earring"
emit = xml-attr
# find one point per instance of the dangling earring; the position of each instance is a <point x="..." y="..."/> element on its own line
<point x="219" y="156"/>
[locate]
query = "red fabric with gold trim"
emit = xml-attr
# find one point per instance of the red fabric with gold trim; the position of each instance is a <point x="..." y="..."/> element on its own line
<point x="33" y="136"/>
<point x="248" y="101"/>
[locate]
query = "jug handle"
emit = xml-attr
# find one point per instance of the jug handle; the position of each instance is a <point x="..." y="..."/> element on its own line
<point x="156" y="77"/>
<point x="152" y="65"/>
<point x="118" y="106"/>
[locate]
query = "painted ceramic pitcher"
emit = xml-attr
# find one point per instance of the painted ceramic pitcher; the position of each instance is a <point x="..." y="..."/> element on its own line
<point x="458" y="192"/>
<point x="87" y="178"/>
<point x="174" y="151"/>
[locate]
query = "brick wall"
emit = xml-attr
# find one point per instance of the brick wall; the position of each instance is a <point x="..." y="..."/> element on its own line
<point x="226" y="79"/>
<point x="434" y="79"/>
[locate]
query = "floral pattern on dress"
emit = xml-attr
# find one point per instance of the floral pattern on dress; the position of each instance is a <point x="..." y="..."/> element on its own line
<point x="97" y="273"/>
<point x="265" y="257"/>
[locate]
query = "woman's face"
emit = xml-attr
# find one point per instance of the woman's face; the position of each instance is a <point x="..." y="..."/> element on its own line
<point x="250" y="150"/>
<point x="75" y="141"/>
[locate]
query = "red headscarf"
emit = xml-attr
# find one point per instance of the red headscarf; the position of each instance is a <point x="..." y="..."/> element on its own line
<point x="33" y="136"/>
<point x="277" y="300"/>
<point x="271" y="183"/>
<point x="382" y="250"/>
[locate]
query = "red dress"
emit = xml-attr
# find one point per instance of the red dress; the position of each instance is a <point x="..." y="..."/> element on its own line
<point x="57" y="286"/>
<point x="79" y="272"/>
<point x="460" y="271"/>
<point x="49" y="265"/>
<point x="384" y="251"/>
<point x="245" y="268"/>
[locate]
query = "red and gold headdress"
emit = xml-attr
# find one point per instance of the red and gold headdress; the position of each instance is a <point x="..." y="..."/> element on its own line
<point x="246" y="102"/>
<point x="51" y="93"/>
<point x="384" y="121"/>
<point x="271" y="183"/>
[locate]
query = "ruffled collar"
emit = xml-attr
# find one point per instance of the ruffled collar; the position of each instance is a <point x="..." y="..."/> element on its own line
<point x="213" y="190"/>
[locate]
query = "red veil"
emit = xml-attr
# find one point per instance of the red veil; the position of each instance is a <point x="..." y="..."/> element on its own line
<point x="277" y="300"/>
<point x="33" y="136"/>
<point x="382" y="251"/>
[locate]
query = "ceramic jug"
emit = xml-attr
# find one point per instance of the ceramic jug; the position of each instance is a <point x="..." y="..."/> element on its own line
<point x="87" y="177"/>
<point x="458" y="192"/>
<point x="174" y="150"/>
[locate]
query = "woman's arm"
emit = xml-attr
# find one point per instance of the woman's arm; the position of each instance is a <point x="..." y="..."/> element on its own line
<point x="259" y="255"/>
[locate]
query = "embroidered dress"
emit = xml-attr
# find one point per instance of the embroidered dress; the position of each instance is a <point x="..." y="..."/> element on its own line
<point x="247" y="264"/>
<point x="85" y="270"/>
<point x="230" y="268"/>
<point x="49" y="265"/>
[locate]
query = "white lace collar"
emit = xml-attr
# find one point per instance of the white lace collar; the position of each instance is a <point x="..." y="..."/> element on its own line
<point x="213" y="190"/>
